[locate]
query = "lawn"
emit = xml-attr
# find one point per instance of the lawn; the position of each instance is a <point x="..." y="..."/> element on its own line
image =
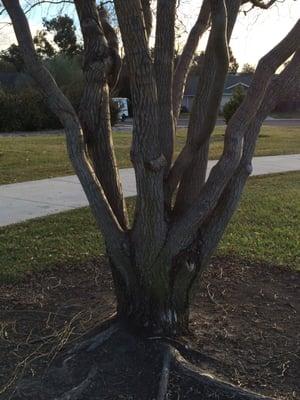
<point x="25" y="158"/>
<point x="265" y="228"/>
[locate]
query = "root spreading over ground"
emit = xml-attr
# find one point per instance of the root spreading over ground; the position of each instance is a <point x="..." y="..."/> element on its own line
<point x="56" y="345"/>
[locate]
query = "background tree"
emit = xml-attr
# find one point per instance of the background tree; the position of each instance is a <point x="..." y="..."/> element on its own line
<point x="63" y="30"/>
<point x="12" y="55"/>
<point x="233" y="64"/>
<point x="248" y="69"/>
<point x="43" y="47"/>
<point x="233" y="104"/>
<point x="179" y="216"/>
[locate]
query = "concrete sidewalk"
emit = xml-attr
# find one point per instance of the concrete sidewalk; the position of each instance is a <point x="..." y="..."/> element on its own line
<point x="22" y="201"/>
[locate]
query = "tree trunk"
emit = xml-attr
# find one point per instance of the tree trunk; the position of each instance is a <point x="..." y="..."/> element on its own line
<point x="152" y="304"/>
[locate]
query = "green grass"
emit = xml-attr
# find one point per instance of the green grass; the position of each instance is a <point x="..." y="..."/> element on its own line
<point x="37" y="157"/>
<point x="265" y="228"/>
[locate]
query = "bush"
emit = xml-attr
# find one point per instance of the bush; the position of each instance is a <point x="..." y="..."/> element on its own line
<point x="25" y="111"/>
<point x="67" y="71"/>
<point x="233" y="104"/>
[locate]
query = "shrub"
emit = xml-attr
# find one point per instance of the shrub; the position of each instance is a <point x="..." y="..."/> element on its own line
<point x="233" y="104"/>
<point x="25" y="111"/>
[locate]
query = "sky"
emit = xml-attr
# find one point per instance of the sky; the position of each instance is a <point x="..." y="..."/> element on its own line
<point x="254" y="34"/>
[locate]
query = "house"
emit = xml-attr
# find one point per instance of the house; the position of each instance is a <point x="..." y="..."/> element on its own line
<point x="232" y="82"/>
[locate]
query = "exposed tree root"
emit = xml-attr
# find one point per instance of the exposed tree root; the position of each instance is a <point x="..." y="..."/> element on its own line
<point x="93" y="342"/>
<point x="79" y="391"/>
<point x="114" y="362"/>
<point x="164" y="379"/>
<point x="208" y="385"/>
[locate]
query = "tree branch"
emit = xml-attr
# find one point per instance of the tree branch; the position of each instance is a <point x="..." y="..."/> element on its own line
<point x="115" y="237"/>
<point x="146" y="6"/>
<point x="184" y="62"/>
<point x="99" y="60"/>
<point x="207" y="99"/>
<point x="283" y="85"/>
<point x="206" y="107"/>
<point x="261" y="4"/>
<point x="185" y="228"/>
<point x="164" y="64"/>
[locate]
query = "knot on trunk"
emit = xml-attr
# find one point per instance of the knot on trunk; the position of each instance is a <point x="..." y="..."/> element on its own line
<point x="156" y="164"/>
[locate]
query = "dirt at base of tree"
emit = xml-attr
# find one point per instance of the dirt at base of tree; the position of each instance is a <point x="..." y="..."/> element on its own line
<point x="245" y="316"/>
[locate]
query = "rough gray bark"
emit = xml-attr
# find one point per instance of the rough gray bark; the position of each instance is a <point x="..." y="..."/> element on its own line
<point x="156" y="260"/>
<point x="190" y="166"/>
<point x="100" y="58"/>
<point x="146" y="6"/>
<point x="163" y="62"/>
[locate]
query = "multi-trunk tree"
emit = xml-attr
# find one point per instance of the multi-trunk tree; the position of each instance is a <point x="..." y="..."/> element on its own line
<point x="179" y="216"/>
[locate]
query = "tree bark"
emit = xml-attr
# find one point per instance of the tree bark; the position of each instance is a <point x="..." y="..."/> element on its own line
<point x="99" y="60"/>
<point x="182" y="68"/>
<point x="164" y="63"/>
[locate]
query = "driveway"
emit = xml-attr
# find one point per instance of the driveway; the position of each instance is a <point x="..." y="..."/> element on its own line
<point x="23" y="201"/>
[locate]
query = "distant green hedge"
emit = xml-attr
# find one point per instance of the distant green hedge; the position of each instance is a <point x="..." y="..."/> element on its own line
<point x="26" y="110"/>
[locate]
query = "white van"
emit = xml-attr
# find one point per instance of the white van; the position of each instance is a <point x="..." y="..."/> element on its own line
<point x="122" y="103"/>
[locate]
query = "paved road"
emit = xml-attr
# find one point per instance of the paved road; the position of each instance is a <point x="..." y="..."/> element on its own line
<point x="183" y="123"/>
<point x="22" y="201"/>
<point x="127" y="126"/>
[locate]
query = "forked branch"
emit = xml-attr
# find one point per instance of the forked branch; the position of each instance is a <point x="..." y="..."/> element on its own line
<point x="185" y="228"/>
<point x="209" y="91"/>
<point x="283" y="85"/>
<point x="100" y="68"/>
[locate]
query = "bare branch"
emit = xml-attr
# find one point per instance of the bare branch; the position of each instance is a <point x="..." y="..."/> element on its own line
<point x="100" y="56"/>
<point x="146" y="6"/>
<point x="213" y="229"/>
<point x="164" y="64"/>
<point x="60" y="105"/>
<point x="185" y="228"/>
<point x="261" y="3"/>
<point x="206" y="106"/>
<point x="209" y="92"/>
<point x="183" y="65"/>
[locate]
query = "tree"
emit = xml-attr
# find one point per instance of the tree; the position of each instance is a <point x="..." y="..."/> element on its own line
<point x="12" y="55"/>
<point x="248" y="69"/>
<point x="233" y="104"/>
<point x="233" y="64"/>
<point x="43" y="47"/>
<point x="179" y="217"/>
<point x="64" y="31"/>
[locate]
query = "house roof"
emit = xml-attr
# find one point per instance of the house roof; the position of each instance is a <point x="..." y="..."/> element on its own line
<point x="231" y="82"/>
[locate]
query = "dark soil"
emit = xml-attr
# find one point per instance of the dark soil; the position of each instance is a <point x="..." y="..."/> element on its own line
<point x="245" y="319"/>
